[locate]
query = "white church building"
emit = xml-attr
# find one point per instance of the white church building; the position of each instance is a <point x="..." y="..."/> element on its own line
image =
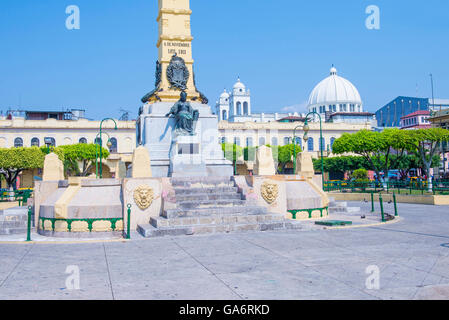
<point x="334" y="98"/>
<point x="235" y="106"/>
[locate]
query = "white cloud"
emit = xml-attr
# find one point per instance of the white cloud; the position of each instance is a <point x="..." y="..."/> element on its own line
<point x="300" y="108"/>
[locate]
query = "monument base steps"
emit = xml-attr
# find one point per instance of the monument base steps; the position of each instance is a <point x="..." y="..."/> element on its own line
<point x="341" y="207"/>
<point x="14" y="221"/>
<point x="211" y="205"/>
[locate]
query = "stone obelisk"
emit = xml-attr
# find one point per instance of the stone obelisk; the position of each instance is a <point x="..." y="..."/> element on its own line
<point x="173" y="154"/>
<point x="174" y="43"/>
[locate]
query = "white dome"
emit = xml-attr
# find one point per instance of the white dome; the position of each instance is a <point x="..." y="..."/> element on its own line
<point x="224" y="95"/>
<point x="239" y="85"/>
<point x="334" y="89"/>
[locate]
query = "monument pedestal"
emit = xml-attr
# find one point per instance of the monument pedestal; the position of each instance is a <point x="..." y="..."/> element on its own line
<point x="155" y="132"/>
<point x="186" y="159"/>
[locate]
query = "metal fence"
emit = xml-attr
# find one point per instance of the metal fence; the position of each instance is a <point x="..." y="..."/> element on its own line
<point x="21" y="196"/>
<point x="440" y="187"/>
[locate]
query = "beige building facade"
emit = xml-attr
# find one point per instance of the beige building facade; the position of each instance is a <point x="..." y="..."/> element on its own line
<point x="252" y="134"/>
<point x="19" y="132"/>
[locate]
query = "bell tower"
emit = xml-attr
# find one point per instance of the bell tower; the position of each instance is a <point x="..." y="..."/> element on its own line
<point x="174" y="68"/>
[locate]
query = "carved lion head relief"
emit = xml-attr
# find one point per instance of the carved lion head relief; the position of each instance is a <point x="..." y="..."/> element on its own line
<point x="143" y="196"/>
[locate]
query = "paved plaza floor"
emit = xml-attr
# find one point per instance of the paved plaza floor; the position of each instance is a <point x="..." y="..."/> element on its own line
<point x="411" y="256"/>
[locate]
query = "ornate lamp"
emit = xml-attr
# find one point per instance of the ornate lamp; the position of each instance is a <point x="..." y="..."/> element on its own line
<point x="306" y="130"/>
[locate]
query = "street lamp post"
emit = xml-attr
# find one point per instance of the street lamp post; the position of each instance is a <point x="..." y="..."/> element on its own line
<point x="101" y="144"/>
<point x="294" y="148"/>
<point x="306" y="130"/>
<point x="109" y="144"/>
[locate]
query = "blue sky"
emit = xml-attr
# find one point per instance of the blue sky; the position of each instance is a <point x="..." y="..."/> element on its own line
<point x="280" y="49"/>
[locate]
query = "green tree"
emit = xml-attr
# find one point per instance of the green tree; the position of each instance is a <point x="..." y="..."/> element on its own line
<point x="382" y="150"/>
<point x="14" y="160"/>
<point x="340" y="165"/>
<point x="79" y="158"/>
<point x="427" y="143"/>
<point x="249" y="153"/>
<point x="232" y="152"/>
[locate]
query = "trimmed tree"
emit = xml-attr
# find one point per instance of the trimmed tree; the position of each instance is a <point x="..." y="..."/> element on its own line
<point x="427" y="143"/>
<point x="382" y="150"/>
<point x="14" y="160"/>
<point x="232" y="152"/>
<point x="342" y="164"/>
<point x="286" y="155"/>
<point x="80" y="158"/>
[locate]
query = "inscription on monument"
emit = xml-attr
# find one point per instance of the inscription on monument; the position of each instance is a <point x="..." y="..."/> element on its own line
<point x="176" y="47"/>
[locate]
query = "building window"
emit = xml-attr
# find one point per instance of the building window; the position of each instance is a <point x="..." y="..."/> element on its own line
<point x="83" y="140"/>
<point x="113" y="147"/>
<point x="237" y="141"/>
<point x="249" y="142"/>
<point x="287" y="140"/>
<point x="52" y="141"/>
<point x="18" y="142"/>
<point x="239" y="108"/>
<point x="223" y="139"/>
<point x="274" y="141"/>
<point x="322" y="144"/>
<point x="261" y="141"/>
<point x="98" y="141"/>
<point x="224" y="115"/>
<point x="310" y="144"/>
<point x="35" y="142"/>
<point x="332" y="142"/>
<point x="245" y="108"/>
<point x="299" y="142"/>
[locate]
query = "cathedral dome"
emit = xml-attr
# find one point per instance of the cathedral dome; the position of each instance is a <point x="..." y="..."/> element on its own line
<point x="238" y="85"/>
<point x="224" y="95"/>
<point x="334" y="90"/>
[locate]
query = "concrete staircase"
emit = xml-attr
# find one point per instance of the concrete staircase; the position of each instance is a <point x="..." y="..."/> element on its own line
<point x="14" y="221"/>
<point x="211" y="205"/>
<point x="342" y="207"/>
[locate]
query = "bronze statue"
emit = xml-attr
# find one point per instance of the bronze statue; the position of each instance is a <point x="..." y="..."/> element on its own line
<point x="186" y="117"/>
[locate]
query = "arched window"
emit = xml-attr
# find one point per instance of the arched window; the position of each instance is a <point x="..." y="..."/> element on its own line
<point x="322" y="144"/>
<point x="274" y="141"/>
<point x="224" y="115"/>
<point x="83" y="140"/>
<point x="332" y="142"/>
<point x="35" y="142"/>
<point x="223" y="139"/>
<point x="52" y="141"/>
<point x="249" y="142"/>
<point x="18" y="142"/>
<point x="310" y="144"/>
<point x="113" y="147"/>
<point x="98" y="141"/>
<point x="299" y="142"/>
<point x="286" y="140"/>
<point x="261" y="141"/>
<point x="237" y="141"/>
<point x="239" y="108"/>
<point x="245" y="108"/>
